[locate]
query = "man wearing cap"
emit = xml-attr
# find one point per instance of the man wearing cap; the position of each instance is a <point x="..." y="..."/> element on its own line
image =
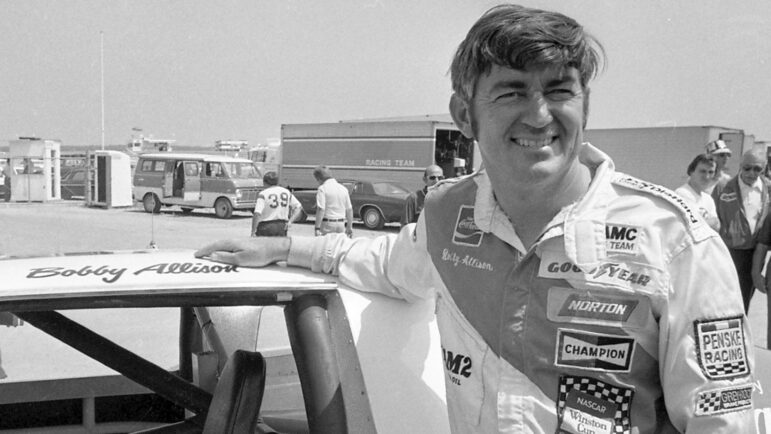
<point x="742" y="205"/>
<point x="719" y="152"/>
<point x="414" y="203"/>
<point x="275" y="210"/>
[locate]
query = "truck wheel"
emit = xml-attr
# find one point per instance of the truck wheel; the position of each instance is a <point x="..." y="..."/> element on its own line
<point x="151" y="203"/>
<point x="372" y="219"/>
<point x="223" y="208"/>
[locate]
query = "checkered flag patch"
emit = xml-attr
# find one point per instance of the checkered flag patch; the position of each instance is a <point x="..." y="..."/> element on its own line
<point x="709" y="402"/>
<point x="620" y="396"/>
<point x="727" y="369"/>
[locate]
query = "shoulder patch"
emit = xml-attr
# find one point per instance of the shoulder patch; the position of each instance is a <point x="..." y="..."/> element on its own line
<point x="662" y="192"/>
<point x="718" y="401"/>
<point x="721" y="348"/>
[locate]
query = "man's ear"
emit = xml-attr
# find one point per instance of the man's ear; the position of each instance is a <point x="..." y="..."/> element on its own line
<point x="461" y="114"/>
<point x="586" y="93"/>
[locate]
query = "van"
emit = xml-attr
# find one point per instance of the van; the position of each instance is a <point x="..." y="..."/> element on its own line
<point x="196" y="181"/>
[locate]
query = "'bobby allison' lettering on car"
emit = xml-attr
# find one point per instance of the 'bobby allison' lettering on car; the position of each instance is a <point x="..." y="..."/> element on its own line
<point x="112" y="274"/>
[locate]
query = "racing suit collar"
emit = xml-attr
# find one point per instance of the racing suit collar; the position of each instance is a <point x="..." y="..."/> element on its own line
<point x="582" y="223"/>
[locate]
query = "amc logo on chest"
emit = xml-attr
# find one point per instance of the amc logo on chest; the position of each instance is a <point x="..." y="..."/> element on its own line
<point x="621" y="238"/>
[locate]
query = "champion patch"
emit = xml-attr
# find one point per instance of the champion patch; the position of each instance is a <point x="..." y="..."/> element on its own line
<point x="621" y="238"/>
<point x="467" y="233"/>
<point x="588" y="405"/>
<point x="724" y="400"/>
<point x="593" y="351"/>
<point x="721" y="349"/>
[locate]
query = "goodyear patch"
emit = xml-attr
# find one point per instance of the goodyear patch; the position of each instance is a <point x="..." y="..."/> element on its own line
<point x="725" y="400"/>
<point x="467" y="233"/>
<point x="622" y="238"/>
<point x="588" y="405"/>
<point x="570" y="305"/>
<point x="593" y="351"/>
<point x="556" y="265"/>
<point x="721" y="348"/>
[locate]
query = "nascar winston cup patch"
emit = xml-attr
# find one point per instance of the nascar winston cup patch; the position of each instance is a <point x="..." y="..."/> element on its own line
<point x="588" y="405"/>
<point x="720" y="347"/>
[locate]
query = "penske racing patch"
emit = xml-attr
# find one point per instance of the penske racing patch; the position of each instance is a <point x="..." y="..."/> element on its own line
<point x="588" y="405"/>
<point x="593" y="351"/>
<point x="721" y="348"/>
<point x="724" y="400"/>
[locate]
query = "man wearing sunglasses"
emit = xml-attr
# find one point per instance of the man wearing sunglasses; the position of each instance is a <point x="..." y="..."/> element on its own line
<point x="742" y="205"/>
<point x="414" y="203"/>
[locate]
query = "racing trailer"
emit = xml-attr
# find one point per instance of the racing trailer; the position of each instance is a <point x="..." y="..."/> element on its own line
<point x="396" y="150"/>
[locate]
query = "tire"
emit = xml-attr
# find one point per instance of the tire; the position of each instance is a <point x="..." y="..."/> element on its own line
<point x="223" y="208"/>
<point x="187" y="211"/>
<point x="372" y="218"/>
<point x="151" y="203"/>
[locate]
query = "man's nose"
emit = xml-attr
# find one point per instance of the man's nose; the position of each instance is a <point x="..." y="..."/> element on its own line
<point x="538" y="113"/>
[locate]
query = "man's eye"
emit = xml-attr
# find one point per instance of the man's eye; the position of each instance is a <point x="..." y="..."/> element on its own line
<point x="509" y="96"/>
<point x="561" y="94"/>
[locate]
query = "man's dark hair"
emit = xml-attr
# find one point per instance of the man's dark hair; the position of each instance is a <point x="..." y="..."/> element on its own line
<point x="701" y="158"/>
<point x="518" y="37"/>
<point x="322" y="173"/>
<point x="270" y="178"/>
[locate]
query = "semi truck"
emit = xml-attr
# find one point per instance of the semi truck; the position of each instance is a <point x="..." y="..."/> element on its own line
<point x="395" y="150"/>
<point x="662" y="154"/>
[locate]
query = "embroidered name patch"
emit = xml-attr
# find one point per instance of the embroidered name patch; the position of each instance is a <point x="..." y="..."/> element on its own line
<point x="467" y="233"/>
<point x="593" y="351"/>
<point x="724" y="400"/>
<point x="588" y="405"/>
<point x="720" y="348"/>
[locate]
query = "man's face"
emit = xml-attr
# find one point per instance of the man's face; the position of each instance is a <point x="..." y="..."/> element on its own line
<point x="751" y="168"/>
<point x="528" y="123"/>
<point x="433" y="175"/>
<point x="721" y="159"/>
<point x="702" y="175"/>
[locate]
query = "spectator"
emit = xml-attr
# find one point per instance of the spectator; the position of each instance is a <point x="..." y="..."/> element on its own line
<point x="760" y="282"/>
<point x="334" y="213"/>
<point x="718" y="150"/>
<point x="701" y="172"/>
<point x="414" y="203"/>
<point x="742" y="205"/>
<point x="548" y="258"/>
<point x="275" y="210"/>
<point x="8" y="172"/>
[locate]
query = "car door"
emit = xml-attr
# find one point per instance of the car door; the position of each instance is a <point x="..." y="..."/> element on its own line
<point x="192" y="183"/>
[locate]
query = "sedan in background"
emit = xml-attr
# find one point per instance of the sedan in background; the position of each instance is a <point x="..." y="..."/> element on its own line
<point x="374" y="202"/>
<point x="73" y="184"/>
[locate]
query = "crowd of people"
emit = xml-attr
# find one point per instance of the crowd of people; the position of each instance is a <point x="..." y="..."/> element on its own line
<point x="580" y="299"/>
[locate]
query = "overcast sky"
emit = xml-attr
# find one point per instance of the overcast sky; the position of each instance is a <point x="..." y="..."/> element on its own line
<point x="200" y="71"/>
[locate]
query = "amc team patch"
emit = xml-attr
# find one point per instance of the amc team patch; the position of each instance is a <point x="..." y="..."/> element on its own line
<point x="720" y="348"/>
<point x="621" y="238"/>
<point x="593" y="351"/>
<point x="588" y="405"/>
<point x="724" y="400"/>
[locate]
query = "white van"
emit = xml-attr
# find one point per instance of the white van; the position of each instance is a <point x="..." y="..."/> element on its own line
<point x="196" y="181"/>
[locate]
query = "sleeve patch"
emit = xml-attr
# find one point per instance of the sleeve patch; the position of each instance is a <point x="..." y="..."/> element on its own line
<point x="721" y="348"/>
<point x="718" y="401"/>
<point x="662" y="192"/>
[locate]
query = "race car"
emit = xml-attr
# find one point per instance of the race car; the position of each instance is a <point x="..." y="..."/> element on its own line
<point x="224" y="348"/>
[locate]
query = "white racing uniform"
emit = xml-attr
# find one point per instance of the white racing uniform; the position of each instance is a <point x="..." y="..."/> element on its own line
<point x="624" y="317"/>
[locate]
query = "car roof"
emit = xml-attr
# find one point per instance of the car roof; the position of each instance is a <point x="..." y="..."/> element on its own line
<point x="194" y="156"/>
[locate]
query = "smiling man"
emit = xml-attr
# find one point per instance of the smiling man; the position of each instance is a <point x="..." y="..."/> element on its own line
<point x="569" y="297"/>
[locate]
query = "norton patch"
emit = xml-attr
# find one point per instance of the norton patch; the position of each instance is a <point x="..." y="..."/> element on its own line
<point x="622" y="238"/>
<point x="725" y="400"/>
<point x="593" y="351"/>
<point x="720" y="348"/>
<point x="467" y="233"/>
<point x="593" y="307"/>
<point x="588" y="405"/>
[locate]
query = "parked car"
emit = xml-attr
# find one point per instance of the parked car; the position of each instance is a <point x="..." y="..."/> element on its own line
<point x="374" y="202"/>
<point x="73" y="183"/>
